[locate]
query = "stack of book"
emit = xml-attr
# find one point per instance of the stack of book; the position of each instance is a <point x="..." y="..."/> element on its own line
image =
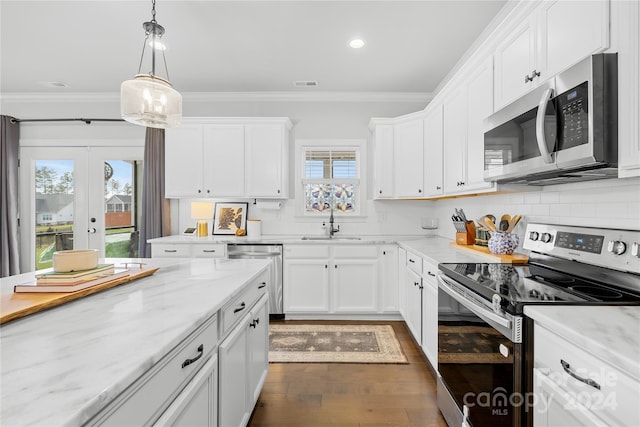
<point x="72" y="281"/>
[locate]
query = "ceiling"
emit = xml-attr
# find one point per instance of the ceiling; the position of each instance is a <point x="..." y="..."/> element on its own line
<point x="239" y="46"/>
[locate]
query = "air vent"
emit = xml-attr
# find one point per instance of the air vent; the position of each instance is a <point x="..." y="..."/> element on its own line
<point x="53" y="84"/>
<point x="305" y="83"/>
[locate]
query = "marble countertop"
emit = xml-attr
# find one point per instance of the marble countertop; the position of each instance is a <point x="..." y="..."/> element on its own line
<point x="63" y="365"/>
<point x="611" y="333"/>
<point x="283" y="239"/>
<point x="439" y="249"/>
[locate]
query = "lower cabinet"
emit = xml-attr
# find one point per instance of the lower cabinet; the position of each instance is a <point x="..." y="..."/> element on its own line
<point x="413" y="316"/>
<point x="430" y="312"/>
<point x="243" y="366"/>
<point x="340" y="279"/>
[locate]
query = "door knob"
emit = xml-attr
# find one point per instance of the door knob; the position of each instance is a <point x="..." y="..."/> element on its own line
<point x="92" y="230"/>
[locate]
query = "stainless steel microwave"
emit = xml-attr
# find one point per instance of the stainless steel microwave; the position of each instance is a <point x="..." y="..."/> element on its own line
<point x="565" y="130"/>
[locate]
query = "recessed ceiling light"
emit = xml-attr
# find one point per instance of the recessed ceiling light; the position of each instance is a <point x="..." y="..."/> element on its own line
<point x="356" y="43"/>
<point x="53" y="84"/>
<point x="305" y="83"/>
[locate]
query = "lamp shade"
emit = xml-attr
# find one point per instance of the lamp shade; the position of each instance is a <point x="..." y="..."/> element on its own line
<point x="201" y="210"/>
<point x="150" y="101"/>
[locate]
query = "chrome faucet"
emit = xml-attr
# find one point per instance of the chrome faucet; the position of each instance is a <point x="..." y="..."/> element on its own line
<point x="332" y="229"/>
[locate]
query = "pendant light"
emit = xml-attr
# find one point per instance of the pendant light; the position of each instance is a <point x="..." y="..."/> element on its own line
<point x="149" y="100"/>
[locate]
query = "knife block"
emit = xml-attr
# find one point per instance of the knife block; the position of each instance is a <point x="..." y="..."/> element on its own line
<point x="468" y="237"/>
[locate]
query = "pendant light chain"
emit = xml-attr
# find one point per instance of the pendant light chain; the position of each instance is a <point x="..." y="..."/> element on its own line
<point x="153" y="11"/>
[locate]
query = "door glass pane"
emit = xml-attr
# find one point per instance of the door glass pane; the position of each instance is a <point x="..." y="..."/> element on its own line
<point x="54" y="209"/>
<point x="121" y="207"/>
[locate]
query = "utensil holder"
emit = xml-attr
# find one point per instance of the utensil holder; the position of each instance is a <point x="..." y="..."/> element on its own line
<point x="469" y="236"/>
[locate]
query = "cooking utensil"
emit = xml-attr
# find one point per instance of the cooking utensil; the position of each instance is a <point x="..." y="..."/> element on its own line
<point x="513" y="222"/>
<point x="488" y="222"/>
<point x="504" y="222"/>
<point x="462" y="215"/>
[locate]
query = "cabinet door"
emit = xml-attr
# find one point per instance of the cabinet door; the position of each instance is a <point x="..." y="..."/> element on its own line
<point x="388" y="278"/>
<point x="566" y="40"/>
<point x="402" y="279"/>
<point x="479" y="107"/>
<point x="433" y="156"/>
<point x="266" y="150"/>
<point x="233" y="377"/>
<point x="455" y="135"/>
<point x="354" y="285"/>
<point x="183" y="162"/>
<point x="430" y="321"/>
<point x="414" y="305"/>
<point x="408" y="158"/>
<point x="306" y="285"/>
<point x="258" y="349"/>
<point x="515" y="58"/>
<point x="383" y="162"/>
<point x="223" y="158"/>
<point x="197" y="403"/>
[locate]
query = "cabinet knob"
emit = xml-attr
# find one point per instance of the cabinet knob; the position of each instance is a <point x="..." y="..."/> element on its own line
<point x="199" y="191"/>
<point x="278" y="191"/>
<point x="208" y="191"/>
<point x="438" y="187"/>
<point x="380" y="191"/>
<point x="419" y="190"/>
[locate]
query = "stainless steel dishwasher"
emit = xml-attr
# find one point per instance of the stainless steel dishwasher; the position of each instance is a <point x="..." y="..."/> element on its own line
<point x="264" y="251"/>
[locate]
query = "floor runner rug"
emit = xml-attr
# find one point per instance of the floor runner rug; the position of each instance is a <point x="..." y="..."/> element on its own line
<point x="297" y="343"/>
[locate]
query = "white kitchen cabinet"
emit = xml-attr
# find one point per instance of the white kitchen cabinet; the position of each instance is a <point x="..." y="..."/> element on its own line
<point x="188" y="250"/>
<point x="627" y="15"/>
<point x="267" y="160"/>
<point x="354" y="284"/>
<point x="258" y="350"/>
<point x="455" y="136"/>
<point x="223" y="157"/>
<point x="408" y="158"/>
<point x="383" y="161"/>
<point x="388" y="278"/>
<point x="553" y="37"/>
<point x="515" y="63"/>
<point x="573" y="387"/>
<point x="479" y="107"/>
<point x="195" y="406"/>
<point x="228" y="157"/>
<point x="433" y="154"/>
<point x="184" y="164"/>
<point x="167" y="385"/>
<point x="402" y="279"/>
<point x="336" y="279"/>
<point x="413" y="319"/>
<point x="430" y="312"/>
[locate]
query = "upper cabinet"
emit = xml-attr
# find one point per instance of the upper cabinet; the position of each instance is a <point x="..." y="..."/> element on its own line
<point x="433" y="145"/>
<point x="553" y="37"/>
<point x="408" y="158"/>
<point x="383" y="160"/>
<point x="228" y="157"/>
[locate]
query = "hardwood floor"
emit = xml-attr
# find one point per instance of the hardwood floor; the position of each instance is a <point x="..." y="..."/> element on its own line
<point x="351" y="395"/>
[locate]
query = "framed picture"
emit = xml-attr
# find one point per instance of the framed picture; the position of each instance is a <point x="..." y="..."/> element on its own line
<point x="229" y="217"/>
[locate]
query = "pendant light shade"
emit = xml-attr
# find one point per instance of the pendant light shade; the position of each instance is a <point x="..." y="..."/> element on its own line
<point x="149" y="100"/>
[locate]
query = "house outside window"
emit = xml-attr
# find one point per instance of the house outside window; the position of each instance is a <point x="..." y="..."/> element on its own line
<point x="329" y="174"/>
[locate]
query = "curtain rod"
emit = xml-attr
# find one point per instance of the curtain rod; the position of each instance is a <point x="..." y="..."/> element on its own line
<point x="87" y="121"/>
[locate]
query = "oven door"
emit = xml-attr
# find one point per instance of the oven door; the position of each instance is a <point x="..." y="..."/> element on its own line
<point x="479" y="368"/>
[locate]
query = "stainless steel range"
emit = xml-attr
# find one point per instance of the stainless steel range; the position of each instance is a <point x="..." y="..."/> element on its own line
<point x="485" y="343"/>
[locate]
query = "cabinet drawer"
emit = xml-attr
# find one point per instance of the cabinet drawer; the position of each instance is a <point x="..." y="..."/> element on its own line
<point x="355" y="251"/>
<point x="148" y="397"/>
<point x="169" y="250"/>
<point x="307" y="251"/>
<point x="234" y="310"/>
<point x="208" y="251"/>
<point x="414" y="262"/>
<point x="616" y="400"/>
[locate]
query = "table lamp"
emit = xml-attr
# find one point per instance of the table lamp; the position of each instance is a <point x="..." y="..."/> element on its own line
<point x="202" y="211"/>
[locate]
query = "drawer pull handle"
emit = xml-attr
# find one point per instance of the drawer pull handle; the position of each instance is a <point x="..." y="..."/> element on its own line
<point x="431" y="274"/>
<point x="588" y="381"/>
<point x="410" y="260"/>
<point x="262" y="285"/>
<point x="190" y="361"/>
<point x="255" y="323"/>
<point x="170" y="251"/>
<point x="242" y="307"/>
<point x="208" y="250"/>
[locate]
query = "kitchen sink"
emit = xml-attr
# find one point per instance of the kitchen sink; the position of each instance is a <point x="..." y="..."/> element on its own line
<point x="330" y="238"/>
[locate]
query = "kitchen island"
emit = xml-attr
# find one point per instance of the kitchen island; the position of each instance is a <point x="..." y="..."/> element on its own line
<point x="63" y="366"/>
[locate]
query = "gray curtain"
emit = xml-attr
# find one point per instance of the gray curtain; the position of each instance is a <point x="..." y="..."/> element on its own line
<point x="156" y="220"/>
<point x="9" y="244"/>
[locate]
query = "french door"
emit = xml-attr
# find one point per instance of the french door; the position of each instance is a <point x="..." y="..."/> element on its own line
<point x="77" y="198"/>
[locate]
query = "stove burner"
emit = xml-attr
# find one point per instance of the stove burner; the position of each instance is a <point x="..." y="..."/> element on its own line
<point x="595" y="291"/>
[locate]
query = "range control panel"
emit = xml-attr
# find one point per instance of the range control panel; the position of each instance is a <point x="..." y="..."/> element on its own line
<point x="606" y="247"/>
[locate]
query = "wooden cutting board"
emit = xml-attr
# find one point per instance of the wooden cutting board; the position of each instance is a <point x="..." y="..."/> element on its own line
<point x="17" y="305"/>
<point x="483" y="250"/>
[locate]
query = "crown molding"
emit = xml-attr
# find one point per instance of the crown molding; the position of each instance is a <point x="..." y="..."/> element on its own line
<point x="199" y="97"/>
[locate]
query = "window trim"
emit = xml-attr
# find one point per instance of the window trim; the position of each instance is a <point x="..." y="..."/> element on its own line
<point x="304" y="145"/>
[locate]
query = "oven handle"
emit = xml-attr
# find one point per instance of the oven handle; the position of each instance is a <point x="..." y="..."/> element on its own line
<point x="477" y="309"/>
